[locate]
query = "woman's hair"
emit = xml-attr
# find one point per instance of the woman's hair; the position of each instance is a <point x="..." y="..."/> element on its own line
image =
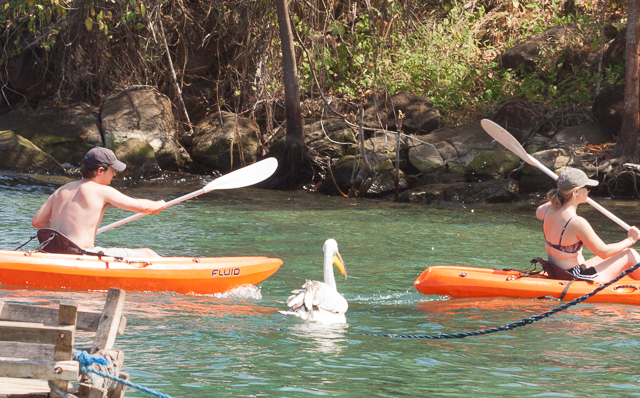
<point x="557" y="197"/>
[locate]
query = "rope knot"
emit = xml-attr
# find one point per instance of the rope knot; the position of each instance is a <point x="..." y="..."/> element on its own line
<point x="86" y="359"/>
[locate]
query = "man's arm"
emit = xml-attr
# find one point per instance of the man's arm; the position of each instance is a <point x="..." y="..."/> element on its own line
<point x="118" y="199"/>
<point x="42" y="218"/>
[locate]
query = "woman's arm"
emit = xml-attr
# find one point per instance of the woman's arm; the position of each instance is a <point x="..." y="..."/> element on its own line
<point x="542" y="209"/>
<point x="588" y="236"/>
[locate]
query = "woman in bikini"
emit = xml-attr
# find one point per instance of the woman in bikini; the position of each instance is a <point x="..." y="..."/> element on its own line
<point x="565" y="233"/>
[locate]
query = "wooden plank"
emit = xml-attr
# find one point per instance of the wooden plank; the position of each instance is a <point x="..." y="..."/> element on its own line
<point x="119" y="389"/>
<point x="68" y="313"/>
<point x="61" y="384"/>
<point x="110" y="321"/>
<point x="33" y="369"/>
<point x="87" y="320"/>
<point x="90" y="391"/>
<point x="122" y="326"/>
<point x="26" y="350"/>
<point x="21" y="387"/>
<point x="25" y="332"/>
<point x="67" y="317"/>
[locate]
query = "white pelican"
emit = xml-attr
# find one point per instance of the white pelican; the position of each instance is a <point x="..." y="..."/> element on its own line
<point x="320" y="301"/>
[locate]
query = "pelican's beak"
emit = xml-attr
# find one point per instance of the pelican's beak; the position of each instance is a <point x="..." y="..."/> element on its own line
<point x="339" y="264"/>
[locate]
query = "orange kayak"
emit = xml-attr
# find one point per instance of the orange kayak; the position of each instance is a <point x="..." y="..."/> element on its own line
<point x="205" y="275"/>
<point x="484" y="282"/>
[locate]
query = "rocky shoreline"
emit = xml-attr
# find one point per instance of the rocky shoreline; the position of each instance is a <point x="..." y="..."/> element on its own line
<point x="461" y="164"/>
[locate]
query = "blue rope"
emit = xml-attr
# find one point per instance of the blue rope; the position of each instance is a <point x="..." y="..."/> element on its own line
<point x="510" y="326"/>
<point x="87" y="360"/>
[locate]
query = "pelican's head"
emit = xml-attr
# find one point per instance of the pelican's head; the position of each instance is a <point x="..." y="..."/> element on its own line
<point x="330" y="249"/>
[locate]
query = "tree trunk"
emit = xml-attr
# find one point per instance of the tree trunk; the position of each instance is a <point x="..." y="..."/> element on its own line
<point x="289" y="170"/>
<point x="627" y="145"/>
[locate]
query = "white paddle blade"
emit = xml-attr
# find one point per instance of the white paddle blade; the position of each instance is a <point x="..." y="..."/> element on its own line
<point x="502" y="136"/>
<point x="245" y="176"/>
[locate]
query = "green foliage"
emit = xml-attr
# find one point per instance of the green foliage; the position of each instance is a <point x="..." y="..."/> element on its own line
<point x="441" y="57"/>
<point x="445" y="50"/>
<point x="40" y="18"/>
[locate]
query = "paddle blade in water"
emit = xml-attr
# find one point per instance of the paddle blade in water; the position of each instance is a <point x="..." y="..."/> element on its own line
<point x="245" y="176"/>
<point x="502" y="136"/>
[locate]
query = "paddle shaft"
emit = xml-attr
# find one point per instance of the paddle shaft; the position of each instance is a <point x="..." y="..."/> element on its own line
<point x="241" y="178"/>
<point x="592" y="202"/>
<point x="503" y="137"/>
<point x="139" y="215"/>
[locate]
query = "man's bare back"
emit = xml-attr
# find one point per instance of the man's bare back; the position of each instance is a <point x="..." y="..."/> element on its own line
<point x="76" y="209"/>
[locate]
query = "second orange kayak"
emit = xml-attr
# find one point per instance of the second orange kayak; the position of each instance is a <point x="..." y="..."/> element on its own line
<point x="483" y="282"/>
<point x="203" y="275"/>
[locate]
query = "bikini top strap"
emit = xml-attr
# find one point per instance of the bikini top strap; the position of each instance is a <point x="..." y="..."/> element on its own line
<point x="543" y="217"/>
<point x="563" y="229"/>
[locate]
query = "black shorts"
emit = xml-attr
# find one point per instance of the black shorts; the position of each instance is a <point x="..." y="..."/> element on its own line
<point x="583" y="272"/>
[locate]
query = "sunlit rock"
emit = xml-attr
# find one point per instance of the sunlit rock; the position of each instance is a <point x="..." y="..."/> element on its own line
<point x="18" y="153"/>
<point x="144" y="113"/>
<point x="226" y="141"/>
<point x="64" y="132"/>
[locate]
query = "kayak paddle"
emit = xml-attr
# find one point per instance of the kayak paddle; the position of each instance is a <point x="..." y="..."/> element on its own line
<point x="243" y="177"/>
<point x="502" y="136"/>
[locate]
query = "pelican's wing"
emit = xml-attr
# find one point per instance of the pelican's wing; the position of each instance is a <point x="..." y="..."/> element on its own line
<point x="323" y="297"/>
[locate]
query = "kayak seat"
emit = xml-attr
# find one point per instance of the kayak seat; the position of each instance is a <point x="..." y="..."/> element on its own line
<point x="52" y="241"/>
<point x="553" y="271"/>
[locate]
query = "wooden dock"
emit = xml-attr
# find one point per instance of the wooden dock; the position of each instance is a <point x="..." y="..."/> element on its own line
<point x="37" y="343"/>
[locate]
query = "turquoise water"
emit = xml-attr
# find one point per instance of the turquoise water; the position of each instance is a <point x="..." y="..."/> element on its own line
<point x="238" y="345"/>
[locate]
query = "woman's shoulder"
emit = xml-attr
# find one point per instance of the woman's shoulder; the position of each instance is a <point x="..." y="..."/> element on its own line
<point x="580" y="223"/>
<point x="543" y="209"/>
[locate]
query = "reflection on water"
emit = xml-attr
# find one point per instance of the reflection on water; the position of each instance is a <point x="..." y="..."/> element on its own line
<point x="237" y="344"/>
<point x="314" y="338"/>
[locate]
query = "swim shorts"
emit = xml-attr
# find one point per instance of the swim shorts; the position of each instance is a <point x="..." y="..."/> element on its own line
<point x="584" y="273"/>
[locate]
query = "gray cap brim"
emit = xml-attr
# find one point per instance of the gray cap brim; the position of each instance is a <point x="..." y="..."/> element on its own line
<point x="119" y="166"/>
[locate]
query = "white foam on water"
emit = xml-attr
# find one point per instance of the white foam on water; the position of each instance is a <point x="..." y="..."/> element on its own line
<point x="241" y="292"/>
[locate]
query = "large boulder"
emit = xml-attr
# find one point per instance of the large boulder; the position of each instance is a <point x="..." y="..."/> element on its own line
<point x="587" y="133"/>
<point x="450" y="149"/>
<point x="494" y="191"/>
<point x="225" y="141"/>
<point x="64" y="132"/>
<point x="556" y="160"/>
<point x="491" y="165"/>
<point x="420" y="117"/>
<point x="520" y="118"/>
<point x="426" y="194"/>
<point x="384" y="143"/>
<point x="538" y="48"/>
<point x="138" y="155"/>
<point x="331" y="138"/>
<point x="608" y="109"/>
<point x="142" y="112"/>
<point x="18" y="153"/>
<point x="382" y="182"/>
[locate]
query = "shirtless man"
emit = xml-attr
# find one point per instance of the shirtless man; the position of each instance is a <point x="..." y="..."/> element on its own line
<point x="76" y="208"/>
